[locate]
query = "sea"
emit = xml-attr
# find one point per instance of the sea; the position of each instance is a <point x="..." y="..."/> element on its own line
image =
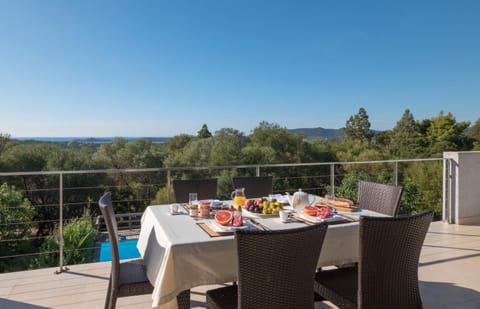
<point x="88" y="140"/>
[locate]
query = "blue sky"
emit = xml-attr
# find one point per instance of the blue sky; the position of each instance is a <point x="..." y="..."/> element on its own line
<point x="161" y="68"/>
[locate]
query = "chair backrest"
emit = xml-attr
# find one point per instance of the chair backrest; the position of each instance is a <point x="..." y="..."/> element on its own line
<point x="277" y="268"/>
<point x="388" y="265"/>
<point x="205" y="188"/>
<point x="254" y="186"/>
<point x="379" y="197"/>
<point x="106" y="208"/>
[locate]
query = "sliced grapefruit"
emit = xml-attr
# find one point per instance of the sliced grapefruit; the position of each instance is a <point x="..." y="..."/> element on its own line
<point x="223" y="217"/>
<point x="310" y="211"/>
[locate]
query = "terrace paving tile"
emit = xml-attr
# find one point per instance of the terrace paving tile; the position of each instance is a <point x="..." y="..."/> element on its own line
<point x="448" y="272"/>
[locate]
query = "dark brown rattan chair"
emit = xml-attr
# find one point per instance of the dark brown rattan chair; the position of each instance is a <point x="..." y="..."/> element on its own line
<point x="379" y="197"/>
<point x="126" y="278"/>
<point x="205" y="188"/>
<point x="276" y="269"/>
<point x="254" y="186"/>
<point x="387" y="272"/>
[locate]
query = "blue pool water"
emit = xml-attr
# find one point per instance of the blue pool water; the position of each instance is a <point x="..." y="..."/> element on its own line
<point x="127" y="248"/>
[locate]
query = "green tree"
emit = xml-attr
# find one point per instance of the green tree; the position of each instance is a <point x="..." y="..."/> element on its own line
<point x="357" y="150"/>
<point x="227" y="147"/>
<point x="122" y="154"/>
<point x="427" y="190"/>
<point x="407" y="141"/>
<point x="474" y="134"/>
<point x="204" y="132"/>
<point x="35" y="157"/>
<point x="133" y="190"/>
<point x="382" y="142"/>
<point x="411" y="202"/>
<point x="178" y="142"/>
<point x="29" y="157"/>
<point x="271" y="143"/>
<point x="5" y="143"/>
<point x="196" y="153"/>
<point x="358" y="127"/>
<point x="446" y="134"/>
<point x="16" y="215"/>
<point x="51" y="157"/>
<point x="349" y="185"/>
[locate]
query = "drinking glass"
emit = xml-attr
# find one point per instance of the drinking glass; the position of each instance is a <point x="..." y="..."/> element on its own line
<point x="192" y="198"/>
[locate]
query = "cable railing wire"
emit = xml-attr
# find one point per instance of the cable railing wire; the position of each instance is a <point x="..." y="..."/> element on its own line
<point x="313" y="183"/>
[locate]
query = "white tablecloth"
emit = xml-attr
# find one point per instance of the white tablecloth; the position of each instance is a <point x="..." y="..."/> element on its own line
<point x="179" y="255"/>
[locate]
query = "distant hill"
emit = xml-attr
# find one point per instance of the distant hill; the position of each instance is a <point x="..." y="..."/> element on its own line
<point x="87" y="140"/>
<point x="328" y="134"/>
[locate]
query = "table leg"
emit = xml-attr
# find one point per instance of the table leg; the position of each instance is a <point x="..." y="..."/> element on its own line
<point x="183" y="299"/>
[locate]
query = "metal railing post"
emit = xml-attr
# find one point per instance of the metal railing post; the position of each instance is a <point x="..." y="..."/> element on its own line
<point x="62" y="268"/>
<point x="169" y="185"/>
<point x="447" y="192"/>
<point x="395" y="173"/>
<point x="257" y="171"/>
<point x="332" y="179"/>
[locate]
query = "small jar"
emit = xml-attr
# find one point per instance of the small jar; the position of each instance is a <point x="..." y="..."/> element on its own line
<point x="193" y="210"/>
<point x="216" y="206"/>
<point x="205" y="209"/>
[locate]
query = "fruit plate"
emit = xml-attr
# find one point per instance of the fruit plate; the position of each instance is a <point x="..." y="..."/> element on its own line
<point x="332" y="217"/>
<point x="258" y="215"/>
<point x="226" y="229"/>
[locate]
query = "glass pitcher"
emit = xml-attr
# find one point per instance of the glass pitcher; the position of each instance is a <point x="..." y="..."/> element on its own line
<point x="238" y="197"/>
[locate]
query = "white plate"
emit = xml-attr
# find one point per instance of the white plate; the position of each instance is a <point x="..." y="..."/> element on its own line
<point x="222" y="229"/>
<point x="333" y="217"/>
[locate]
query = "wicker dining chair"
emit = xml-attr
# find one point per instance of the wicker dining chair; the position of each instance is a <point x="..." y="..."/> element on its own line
<point x="254" y="186"/>
<point x="387" y="272"/>
<point x="126" y="278"/>
<point x="276" y="269"/>
<point x="205" y="188"/>
<point x="379" y="197"/>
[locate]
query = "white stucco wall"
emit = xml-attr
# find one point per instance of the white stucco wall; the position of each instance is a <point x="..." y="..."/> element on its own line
<point x="464" y="186"/>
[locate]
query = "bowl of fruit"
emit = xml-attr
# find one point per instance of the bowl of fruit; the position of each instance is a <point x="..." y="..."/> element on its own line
<point x="262" y="207"/>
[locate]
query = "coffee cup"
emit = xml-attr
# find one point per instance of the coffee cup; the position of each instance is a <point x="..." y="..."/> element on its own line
<point x="173" y="209"/>
<point x="284" y="215"/>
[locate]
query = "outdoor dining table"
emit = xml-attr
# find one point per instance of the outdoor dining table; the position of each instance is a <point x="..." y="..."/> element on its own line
<point x="179" y="255"/>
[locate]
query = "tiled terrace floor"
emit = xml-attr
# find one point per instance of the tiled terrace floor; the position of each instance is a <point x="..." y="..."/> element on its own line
<point x="449" y="276"/>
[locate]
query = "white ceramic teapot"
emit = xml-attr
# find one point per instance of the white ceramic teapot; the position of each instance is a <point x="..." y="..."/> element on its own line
<point x="299" y="199"/>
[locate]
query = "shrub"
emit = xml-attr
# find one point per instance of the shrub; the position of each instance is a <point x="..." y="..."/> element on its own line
<point x="16" y="215"/>
<point x="79" y="238"/>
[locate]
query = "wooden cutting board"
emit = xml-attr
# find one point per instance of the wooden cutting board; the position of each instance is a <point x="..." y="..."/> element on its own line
<point x="346" y="209"/>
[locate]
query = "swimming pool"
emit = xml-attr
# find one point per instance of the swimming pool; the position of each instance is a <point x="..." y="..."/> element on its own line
<point x="127" y="249"/>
